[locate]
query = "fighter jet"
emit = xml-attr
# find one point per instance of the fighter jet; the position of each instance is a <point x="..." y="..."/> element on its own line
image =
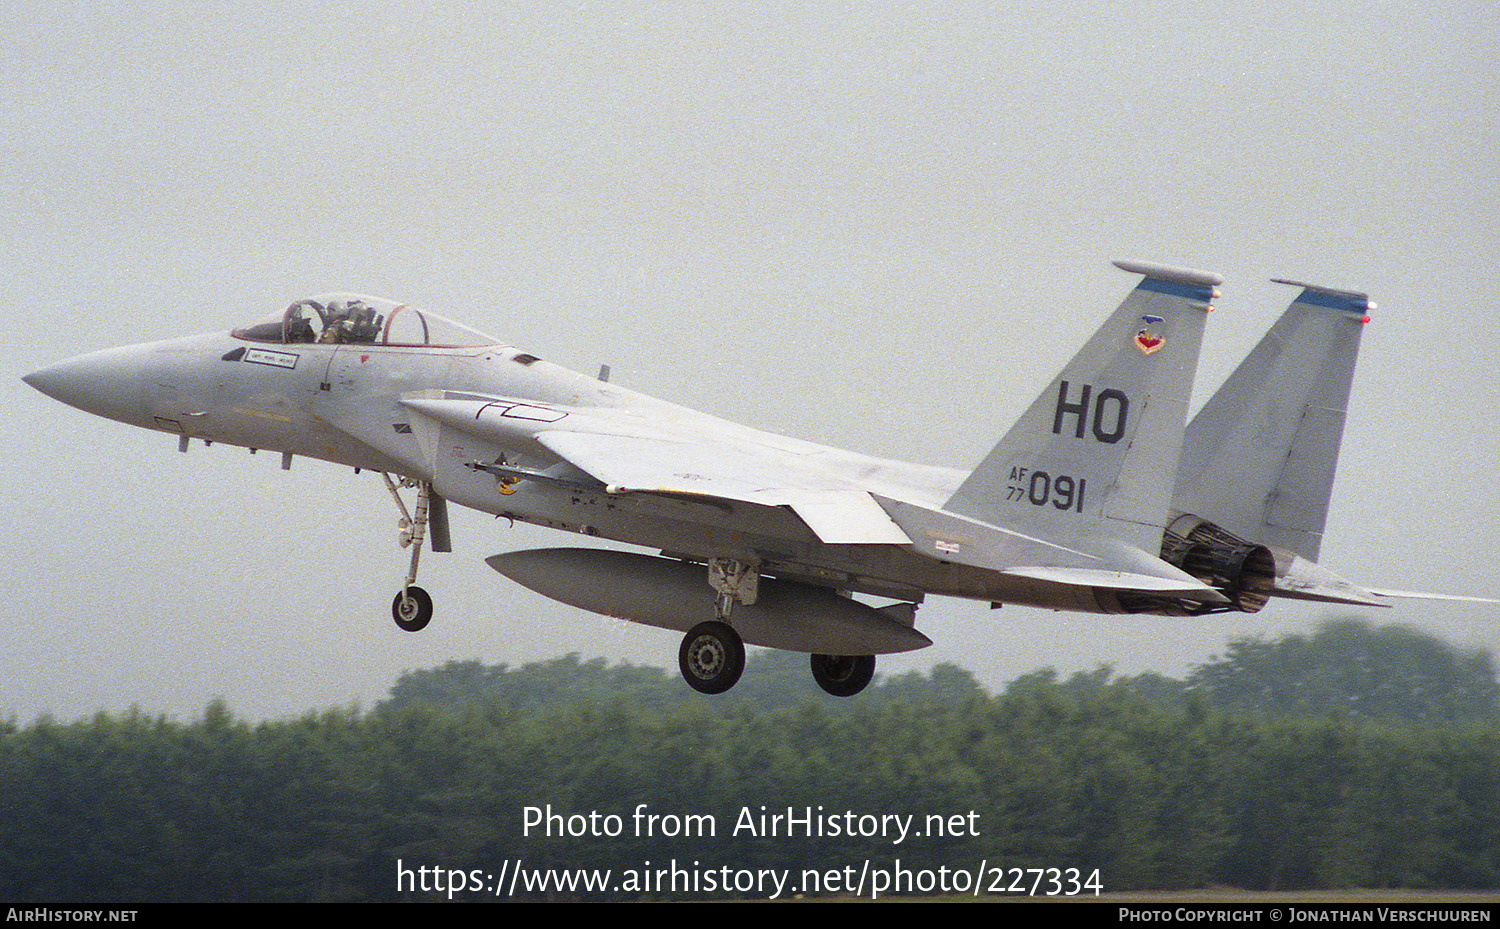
<point x="1099" y="499"/>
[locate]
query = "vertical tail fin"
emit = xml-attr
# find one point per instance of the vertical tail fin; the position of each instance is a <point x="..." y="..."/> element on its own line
<point x="1258" y="459"/>
<point x="1094" y="455"/>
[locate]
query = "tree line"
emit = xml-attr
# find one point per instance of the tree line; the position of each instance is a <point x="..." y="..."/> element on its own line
<point x="1353" y="757"/>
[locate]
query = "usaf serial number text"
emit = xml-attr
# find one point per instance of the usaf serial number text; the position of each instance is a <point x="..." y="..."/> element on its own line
<point x="1042" y="489"/>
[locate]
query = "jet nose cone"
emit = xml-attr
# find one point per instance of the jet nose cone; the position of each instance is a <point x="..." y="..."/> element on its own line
<point x="106" y="383"/>
<point x="49" y="381"/>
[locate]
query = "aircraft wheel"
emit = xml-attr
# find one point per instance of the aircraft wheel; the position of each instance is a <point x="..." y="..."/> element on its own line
<point x="412" y="609"/>
<point x="712" y="657"/>
<point x="843" y="675"/>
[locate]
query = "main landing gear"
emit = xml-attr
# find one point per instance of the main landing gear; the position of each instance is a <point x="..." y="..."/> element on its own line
<point x="843" y="675"/>
<point x="412" y="608"/>
<point x="712" y="655"/>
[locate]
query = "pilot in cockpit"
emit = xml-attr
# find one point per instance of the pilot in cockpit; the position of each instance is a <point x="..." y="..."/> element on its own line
<point x="363" y="324"/>
<point x="343" y="319"/>
<point x="351" y="321"/>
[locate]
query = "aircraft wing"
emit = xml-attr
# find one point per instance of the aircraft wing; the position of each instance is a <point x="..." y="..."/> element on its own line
<point x="691" y="463"/>
<point x="837" y="512"/>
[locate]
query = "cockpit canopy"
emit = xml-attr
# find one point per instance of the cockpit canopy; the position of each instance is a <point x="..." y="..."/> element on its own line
<point x="354" y="319"/>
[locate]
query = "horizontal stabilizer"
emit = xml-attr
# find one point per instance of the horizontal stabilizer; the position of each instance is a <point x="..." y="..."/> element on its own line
<point x="1120" y="580"/>
<point x="1302" y="579"/>
<point x="1306" y="580"/>
<point x="1420" y="595"/>
<point x="1367" y="596"/>
<point x="1327" y="595"/>
<point x="962" y="540"/>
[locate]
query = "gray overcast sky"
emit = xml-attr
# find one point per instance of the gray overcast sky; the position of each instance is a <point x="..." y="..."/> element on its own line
<point x="880" y="226"/>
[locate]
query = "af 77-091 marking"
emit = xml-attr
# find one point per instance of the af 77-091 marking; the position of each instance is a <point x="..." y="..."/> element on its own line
<point x="1101" y="498"/>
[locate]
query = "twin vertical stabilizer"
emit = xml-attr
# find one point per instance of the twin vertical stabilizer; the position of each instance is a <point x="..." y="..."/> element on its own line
<point x="1258" y="459"/>
<point x="1094" y="456"/>
<point x="1237" y="500"/>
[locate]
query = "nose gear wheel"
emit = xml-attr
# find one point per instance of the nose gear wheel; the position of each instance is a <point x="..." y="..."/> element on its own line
<point x="412" y="609"/>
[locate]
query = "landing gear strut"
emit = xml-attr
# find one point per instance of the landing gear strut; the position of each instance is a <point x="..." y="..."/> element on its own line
<point x="412" y="608"/>
<point x="843" y="675"/>
<point x="712" y="656"/>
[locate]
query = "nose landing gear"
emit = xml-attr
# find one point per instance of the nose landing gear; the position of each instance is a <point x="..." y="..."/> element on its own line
<point x="412" y="608"/>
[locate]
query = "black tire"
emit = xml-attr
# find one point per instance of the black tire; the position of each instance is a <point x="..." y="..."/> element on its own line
<point x="712" y="657"/>
<point x="843" y="675"/>
<point x="412" y="609"/>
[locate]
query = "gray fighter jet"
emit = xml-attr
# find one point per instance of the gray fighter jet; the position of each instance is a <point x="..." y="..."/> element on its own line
<point x="1099" y="499"/>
